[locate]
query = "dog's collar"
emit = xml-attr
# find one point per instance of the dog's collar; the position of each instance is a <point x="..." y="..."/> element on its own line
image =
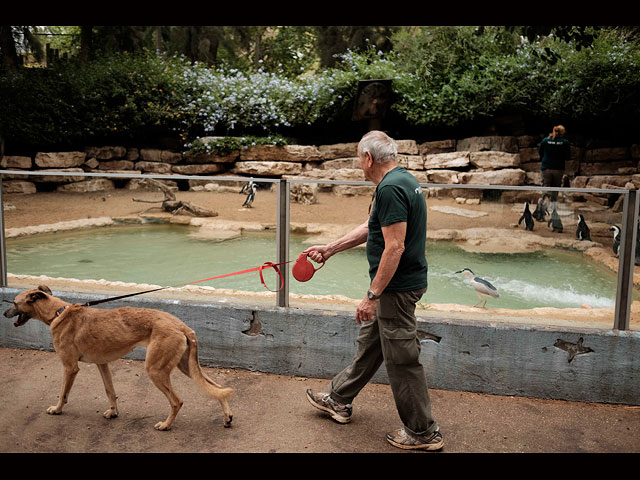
<point x="58" y="313"/>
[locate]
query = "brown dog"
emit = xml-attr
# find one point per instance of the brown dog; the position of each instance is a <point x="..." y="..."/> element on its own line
<point x="101" y="336"/>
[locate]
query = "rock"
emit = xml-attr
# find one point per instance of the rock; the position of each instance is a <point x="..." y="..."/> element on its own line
<point x="527" y="141"/>
<point x="305" y="193"/>
<point x="202" y="169"/>
<point x="267" y="169"/>
<point x="447" y="160"/>
<point x="91" y="163"/>
<point x="438" y="146"/>
<point x="212" y="157"/>
<point x="153" y="167"/>
<point x="533" y="178"/>
<point x="57" y="178"/>
<point x="9" y="161"/>
<point x="116" y="165"/>
<point x="465" y="193"/>
<point x="442" y="176"/>
<point x="490" y="143"/>
<point x="352" y="162"/>
<point x="606" y="154"/>
<point x="507" y="176"/>
<point x="94" y="185"/>
<point x="155" y="155"/>
<point x="60" y="159"/>
<point x="407" y="147"/>
<point x="491" y="160"/>
<point x="106" y="153"/>
<point x="133" y="154"/>
<point x="286" y="153"/>
<point x="59" y="226"/>
<point x="529" y="155"/>
<point x="604" y="168"/>
<point x="411" y="162"/>
<point x="339" y="150"/>
<point x="598" y="181"/>
<point x="354" y="174"/>
<point x="18" y="186"/>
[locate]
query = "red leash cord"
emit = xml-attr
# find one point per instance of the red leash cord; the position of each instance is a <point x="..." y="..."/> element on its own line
<point x="259" y="269"/>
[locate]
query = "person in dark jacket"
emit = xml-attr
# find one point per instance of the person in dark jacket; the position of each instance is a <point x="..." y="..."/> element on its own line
<point x="554" y="151"/>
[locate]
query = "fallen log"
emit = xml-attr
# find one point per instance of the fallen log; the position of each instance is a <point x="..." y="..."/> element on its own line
<point x="172" y="205"/>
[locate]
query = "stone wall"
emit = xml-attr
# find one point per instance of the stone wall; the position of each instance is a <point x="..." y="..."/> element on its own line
<point x="489" y="160"/>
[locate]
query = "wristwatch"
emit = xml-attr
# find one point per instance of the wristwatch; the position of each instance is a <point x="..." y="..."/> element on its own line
<point x="372" y="296"/>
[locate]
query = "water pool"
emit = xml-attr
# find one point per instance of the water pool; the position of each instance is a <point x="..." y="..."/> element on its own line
<point x="167" y="255"/>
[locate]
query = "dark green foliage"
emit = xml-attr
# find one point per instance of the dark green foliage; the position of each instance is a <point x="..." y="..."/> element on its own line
<point x="443" y="78"/>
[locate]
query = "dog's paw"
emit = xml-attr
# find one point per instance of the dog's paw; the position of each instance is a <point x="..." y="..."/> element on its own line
<point x="227" y="422"/>
<point x="54" y="410"/>
<point x="111" y="413"/>
<point x="162" y="426"/>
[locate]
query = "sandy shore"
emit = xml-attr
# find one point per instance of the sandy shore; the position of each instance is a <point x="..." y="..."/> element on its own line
<point x="324" y="220"/>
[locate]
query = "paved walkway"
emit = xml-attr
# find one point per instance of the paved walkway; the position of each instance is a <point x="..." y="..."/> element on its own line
<point x="271" y="414"/>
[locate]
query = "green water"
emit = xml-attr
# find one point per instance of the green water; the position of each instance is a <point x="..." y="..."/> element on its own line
<point x="166" y="255"/>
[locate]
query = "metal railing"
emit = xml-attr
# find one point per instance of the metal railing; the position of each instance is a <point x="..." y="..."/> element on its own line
<point x="627" y="244"/>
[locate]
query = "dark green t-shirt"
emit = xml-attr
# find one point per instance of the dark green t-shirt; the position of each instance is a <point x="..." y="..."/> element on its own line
<point x="399" y="198"/>
<point x="553" y="153"/>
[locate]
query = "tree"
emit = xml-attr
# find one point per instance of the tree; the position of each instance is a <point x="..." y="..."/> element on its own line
<point x="15" y="40"/>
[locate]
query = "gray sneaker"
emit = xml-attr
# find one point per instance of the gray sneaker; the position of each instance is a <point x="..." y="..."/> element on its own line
<point x="340" y="412"/>
<point x="403" y="439"/>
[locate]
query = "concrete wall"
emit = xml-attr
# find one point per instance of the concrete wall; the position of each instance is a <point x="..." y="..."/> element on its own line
<point x="464" y="355"/>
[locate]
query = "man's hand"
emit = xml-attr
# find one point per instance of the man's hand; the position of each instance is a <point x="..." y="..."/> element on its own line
<point x="365" y="311"/>
<point x="318" y="253"/>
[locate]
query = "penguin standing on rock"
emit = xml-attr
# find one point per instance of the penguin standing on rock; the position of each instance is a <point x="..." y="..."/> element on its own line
<point x="526" y="216"/>
<point x="582" y="233"/>
<point x="616" y="239"/>
<point x="555" y="221"/>
<point x="541" y="209"/>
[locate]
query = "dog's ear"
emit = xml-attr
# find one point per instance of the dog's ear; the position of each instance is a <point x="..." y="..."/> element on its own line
<point x="45" y="289"/>
<point x="34" y="296"/>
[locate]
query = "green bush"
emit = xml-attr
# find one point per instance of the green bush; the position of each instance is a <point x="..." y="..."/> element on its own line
<point x="442" y="77"/>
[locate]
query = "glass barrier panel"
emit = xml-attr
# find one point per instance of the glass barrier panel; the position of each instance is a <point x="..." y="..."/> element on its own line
<point x="523" y="256"/>
<point x="113" y="231"/>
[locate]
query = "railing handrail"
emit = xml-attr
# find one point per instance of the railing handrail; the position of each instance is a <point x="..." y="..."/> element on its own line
<point x="627" y="245"/>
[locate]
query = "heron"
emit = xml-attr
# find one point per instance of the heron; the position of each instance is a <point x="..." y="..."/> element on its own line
<point x="483" y="288"/>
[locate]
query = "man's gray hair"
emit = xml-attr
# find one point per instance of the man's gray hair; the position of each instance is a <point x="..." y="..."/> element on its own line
<point x="382" y="147"/>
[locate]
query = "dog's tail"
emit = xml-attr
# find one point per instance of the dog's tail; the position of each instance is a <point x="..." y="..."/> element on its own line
<point x="208" y="386"/>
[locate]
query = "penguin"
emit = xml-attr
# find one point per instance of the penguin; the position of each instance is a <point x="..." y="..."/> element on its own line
<point x="247" y="187"/>
<point x="526" y="216"/>
<point x="555" y="221"/>
<point x="252" y="194"/>
<point x="541" y="210"/>
<point x="616" y="239"/>
<point x="582" y="232"/>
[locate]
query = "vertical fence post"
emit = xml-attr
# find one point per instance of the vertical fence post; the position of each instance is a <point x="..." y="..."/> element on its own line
<point x="627" y="261"/>
<point x="3" y="250"/>
<point x="282" y="237"/>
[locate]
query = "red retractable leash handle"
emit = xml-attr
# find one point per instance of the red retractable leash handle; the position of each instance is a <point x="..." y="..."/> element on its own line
<point x="303" y="269"/>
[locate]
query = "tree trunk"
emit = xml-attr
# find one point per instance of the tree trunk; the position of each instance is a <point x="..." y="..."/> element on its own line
<point x="86" y="37"/>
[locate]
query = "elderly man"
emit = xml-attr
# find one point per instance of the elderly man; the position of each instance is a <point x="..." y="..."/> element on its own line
<point x="395" y="236"/>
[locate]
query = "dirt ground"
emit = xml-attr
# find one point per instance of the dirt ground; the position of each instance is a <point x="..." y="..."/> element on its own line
<point x="272" y="415"/>
<point x="53" y="207"/>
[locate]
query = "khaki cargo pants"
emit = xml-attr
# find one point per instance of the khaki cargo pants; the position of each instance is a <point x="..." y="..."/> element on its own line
<point x="391" y="337"/>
